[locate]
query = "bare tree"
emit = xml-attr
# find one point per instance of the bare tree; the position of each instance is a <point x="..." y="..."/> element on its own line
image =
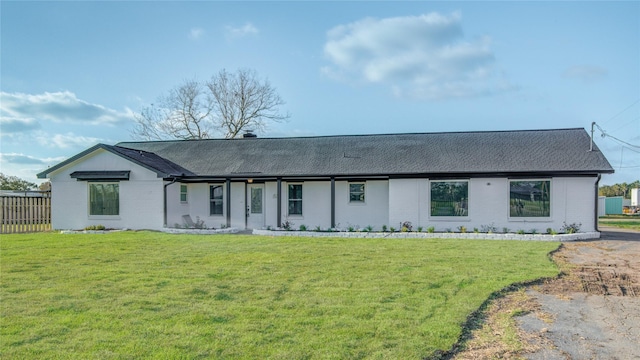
<point x="241" y="102"/>
<point x="227" y="104"/>
<point x="185" y="113"/>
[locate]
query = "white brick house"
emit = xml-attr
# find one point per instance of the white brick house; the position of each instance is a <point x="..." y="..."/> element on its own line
<point x="529" y="180"/>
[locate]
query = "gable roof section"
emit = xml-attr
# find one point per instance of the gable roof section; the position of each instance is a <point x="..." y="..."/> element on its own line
<point x="548" y="152"/>
<point x="162" y="167"/>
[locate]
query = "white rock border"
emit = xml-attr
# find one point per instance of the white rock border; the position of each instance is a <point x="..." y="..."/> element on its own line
<point x="166" y="230"/>
<point x="229" y="230"/>
<point x="422" y="235"/>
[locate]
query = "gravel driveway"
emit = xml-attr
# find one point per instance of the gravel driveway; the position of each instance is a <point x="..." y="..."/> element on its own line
<point x="594" y="311"/>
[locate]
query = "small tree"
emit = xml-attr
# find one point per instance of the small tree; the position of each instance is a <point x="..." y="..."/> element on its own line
<point x="15" y="183"/>
<point x="226" y="104"/>
<point x="45" y="186"/>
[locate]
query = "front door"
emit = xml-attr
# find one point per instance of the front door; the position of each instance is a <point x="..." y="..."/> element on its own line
<point x="255" y="208"/>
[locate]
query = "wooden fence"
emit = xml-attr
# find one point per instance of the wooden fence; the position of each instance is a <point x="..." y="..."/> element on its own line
<point x="20" y="214"/>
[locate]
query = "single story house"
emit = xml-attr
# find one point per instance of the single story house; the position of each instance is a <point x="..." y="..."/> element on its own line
<point x="519" y="180"/>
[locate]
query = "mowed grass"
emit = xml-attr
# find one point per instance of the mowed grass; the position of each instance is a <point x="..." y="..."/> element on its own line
<point x="134" y="295"/>
<point x="631" y="222"/>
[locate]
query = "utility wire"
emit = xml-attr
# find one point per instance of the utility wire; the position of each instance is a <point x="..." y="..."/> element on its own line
<point x="604" y="134"/>
<point x="625" y="109"/>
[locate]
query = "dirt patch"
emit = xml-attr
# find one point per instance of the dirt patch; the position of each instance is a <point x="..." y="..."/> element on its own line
<point x="592" y="311"/>
<point x="595" y="304"/>
<point x="597" y="267"/>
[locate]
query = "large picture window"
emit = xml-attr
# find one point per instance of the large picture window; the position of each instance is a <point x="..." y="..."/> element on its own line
<point x="215" y="198"/>
<point x="295" y="199"/>
<point x="104" y="199"/>
<point x="356" y="192"/>
<point x="450" y="198"/>
<point x="529" y="198"/>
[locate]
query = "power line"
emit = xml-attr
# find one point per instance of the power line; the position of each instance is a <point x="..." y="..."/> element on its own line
<point x="605" y="134"/>
<point x="625" y="109"/>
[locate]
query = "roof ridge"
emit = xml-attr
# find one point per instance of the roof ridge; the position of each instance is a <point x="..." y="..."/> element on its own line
<point x="121" y="144"/>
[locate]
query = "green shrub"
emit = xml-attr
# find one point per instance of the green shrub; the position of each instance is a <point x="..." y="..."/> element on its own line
<point x="571" y="228"/>
<point x="95" y="227"/>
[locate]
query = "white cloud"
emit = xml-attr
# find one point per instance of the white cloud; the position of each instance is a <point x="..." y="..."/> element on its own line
<point x="196" y="33"/>
<point x="237" y="32"/>
<point x="10" y="125"/>
<point x="19" y="110"/>
<point x="15" y="158"/>
<point x="424" y="56"/>
<point x="68" y="140"/>
<point x="585" y="72"/>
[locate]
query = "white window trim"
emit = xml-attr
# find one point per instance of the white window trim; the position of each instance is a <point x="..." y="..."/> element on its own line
<point x="516" y="219"/>
<point x="461" y="218"/>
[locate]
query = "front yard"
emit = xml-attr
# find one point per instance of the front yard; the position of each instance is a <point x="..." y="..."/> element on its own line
<point x="153" y="295"/>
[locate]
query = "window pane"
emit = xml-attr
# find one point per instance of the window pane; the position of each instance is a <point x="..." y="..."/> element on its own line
<point x="356" y="192"/>
<point x="256" y="200"/>
<point x="215" y="196"/>
<point x="529" y="198"/>
<point x="104" y="199"/>
<point x="295" y="207"/>
<point x="216" y="208"/>
<point x="449" y="198"/>
<point x="295" y="192"/>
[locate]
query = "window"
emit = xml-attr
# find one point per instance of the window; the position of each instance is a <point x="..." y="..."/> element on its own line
<point x="256" y="200"/>
<point x="183" y="193"/>
<point x="450" y="198"/>
<point x="104" y="199"/>
<point x="215" y="196"/>
<point x="529" y="198"/>
<point x="295" y="199"/>
<point x="356" y="192"/>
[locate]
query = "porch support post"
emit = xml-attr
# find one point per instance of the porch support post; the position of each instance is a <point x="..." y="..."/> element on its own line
<point x="228" y="183"/>
<point x="333" y="202"/>
<point x="597" y="186"/>
<point x="279" y="196"/>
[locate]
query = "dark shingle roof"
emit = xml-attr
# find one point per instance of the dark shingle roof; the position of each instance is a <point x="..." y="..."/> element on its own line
<point x="151" y="161"/>
<point x="563" y="151"/>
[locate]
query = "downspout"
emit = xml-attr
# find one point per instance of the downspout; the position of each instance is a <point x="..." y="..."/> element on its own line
<point x="597" y="185"/>
<point x="165" y="200"/>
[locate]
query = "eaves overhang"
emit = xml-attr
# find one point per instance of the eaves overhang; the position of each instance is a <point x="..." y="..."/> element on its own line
<point x="261" y="177"/>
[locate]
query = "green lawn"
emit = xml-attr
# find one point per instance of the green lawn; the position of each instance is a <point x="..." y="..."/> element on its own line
<point x="621" y="221"/>
<point x="134" y="295"/>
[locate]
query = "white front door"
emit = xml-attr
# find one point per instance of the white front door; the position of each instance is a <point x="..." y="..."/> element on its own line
<point x="255" y="206"/>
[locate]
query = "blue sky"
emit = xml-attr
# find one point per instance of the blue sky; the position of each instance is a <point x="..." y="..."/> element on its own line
<point x="73" y="74"/>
